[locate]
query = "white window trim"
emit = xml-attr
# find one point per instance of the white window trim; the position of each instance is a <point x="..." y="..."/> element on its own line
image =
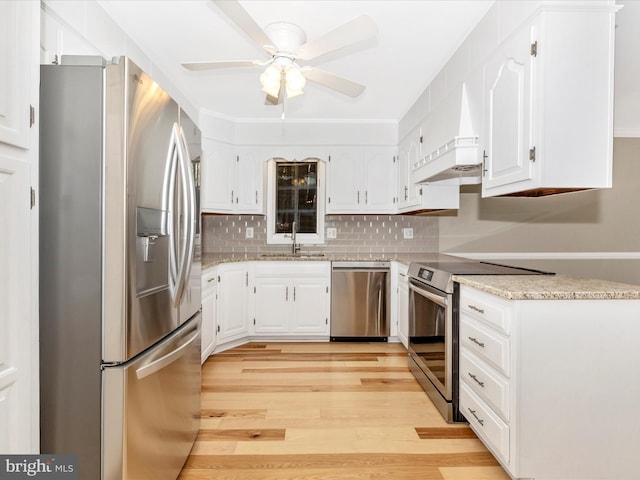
<point x="301" y="238"/>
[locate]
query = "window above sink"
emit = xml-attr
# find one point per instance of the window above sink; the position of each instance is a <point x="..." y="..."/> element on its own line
<point x="295" y="196"/>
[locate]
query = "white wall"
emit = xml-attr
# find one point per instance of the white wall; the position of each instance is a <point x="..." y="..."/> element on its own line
<point x="79" y="27"/>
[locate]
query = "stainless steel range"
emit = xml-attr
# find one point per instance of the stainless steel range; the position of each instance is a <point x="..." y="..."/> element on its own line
<point x="434" y="324"/>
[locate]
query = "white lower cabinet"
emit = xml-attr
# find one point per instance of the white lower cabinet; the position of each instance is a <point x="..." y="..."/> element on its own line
<point x="403" y="305"/>
<point x="233" y="309"/>
<point x="550" y="386"/>
<point x="209" y="317"/>
<point x="292" y="298"/>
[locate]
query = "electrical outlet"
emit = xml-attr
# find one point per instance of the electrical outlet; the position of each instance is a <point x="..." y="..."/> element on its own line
<point x="332" y="232"/>
<point x="407" y="233"/>
<point x="248" y="233"/>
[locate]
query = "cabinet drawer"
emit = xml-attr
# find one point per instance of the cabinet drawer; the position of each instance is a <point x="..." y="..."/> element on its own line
<point x="292" y="268"/>
<point x="486" y="382"/>
<point x="487" y="344"/>
<point x="208" y="281"/>
<point x="489" y="427"/>
<point x="487" y="308"/>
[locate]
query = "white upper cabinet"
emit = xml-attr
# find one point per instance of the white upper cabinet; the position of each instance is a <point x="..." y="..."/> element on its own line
<point x="548" y="114"/>
<point x="15" y="72"/>
<point x="508" y="114"/>
<point x="408" y="192"/>
<point x="361" y="180"/>
<point x="232" y="179"/>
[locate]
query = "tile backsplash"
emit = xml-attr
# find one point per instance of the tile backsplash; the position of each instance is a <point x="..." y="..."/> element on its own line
<point x="354" y="234"/>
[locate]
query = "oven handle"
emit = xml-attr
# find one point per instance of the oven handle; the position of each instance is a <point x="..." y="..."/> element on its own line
<point x="425" y="293"/>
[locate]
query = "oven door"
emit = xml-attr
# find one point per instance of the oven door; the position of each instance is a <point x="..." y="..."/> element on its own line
<point x="430" y="334"/>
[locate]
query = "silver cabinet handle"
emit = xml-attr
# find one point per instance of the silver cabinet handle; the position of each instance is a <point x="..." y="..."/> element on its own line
<point x="366" y="197"/>
<point x="476" y="341"/>
<point x="358" y="197"/>
<point x="475" y="378"/>
<point x="294" y="294"/>
<point x="479" y="310"/>
<point x="286" y="294"/>
<point x="473" y="412"/>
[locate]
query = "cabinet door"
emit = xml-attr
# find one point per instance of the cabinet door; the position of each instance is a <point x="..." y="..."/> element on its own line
<point x="403" y="309"/>
<point x="409" y="153"/>
<point x="272" y="305"/>
<point x="19" y="32"/>
<point x="208" y="329"/>
<point x="508" y="113"/>
<point x="310" y="306"/>
<point x="379" y="169"/>
<point x="248" y="191"/>
<point x="344" y="182"/>
<point x="218" y="169"/>
<point x="232" y="303"/>
<point x="15" y="70"/>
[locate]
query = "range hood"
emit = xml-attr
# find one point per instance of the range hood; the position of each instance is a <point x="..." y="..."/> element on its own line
<point x="450" y="148"/>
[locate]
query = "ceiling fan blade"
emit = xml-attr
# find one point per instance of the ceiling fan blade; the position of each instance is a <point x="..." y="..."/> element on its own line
<point x="221" y="64"/>
<point x="335" y="82"/>
<point x="238" y="15"/>
<point x="358" y="29"/>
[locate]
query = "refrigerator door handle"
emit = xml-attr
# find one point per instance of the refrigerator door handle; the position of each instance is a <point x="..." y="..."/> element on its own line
<point x="168" y="201"/>
<point x="179" y="265"/>
<point x="190" y="197"/>
<point x="165" y="360"/>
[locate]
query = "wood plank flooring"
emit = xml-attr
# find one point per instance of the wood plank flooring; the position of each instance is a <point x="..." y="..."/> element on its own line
<point x="325" y="411"/>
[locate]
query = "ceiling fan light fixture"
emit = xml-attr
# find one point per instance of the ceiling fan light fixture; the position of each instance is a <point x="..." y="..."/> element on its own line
<point x="270" y="80"/>
<point x="295" y="81"/>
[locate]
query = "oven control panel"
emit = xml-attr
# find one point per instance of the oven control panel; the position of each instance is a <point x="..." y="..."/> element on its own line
<point x="425" y="274"/>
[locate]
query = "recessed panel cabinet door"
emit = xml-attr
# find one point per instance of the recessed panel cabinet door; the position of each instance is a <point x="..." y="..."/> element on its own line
<point x="310" y="307"/>
<point x="15" y="45"/>
<point x="508" y="120"/>
<point x="273" y="298"/>
<point x="15" y="311"/>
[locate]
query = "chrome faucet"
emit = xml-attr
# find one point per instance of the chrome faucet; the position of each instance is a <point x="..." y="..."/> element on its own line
<point x="295" y="247"/>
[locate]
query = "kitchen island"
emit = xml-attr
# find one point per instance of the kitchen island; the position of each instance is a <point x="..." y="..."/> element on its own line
<point x="548" y="374"/>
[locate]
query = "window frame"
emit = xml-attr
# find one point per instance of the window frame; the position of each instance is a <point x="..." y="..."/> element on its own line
<point x="317" y="238"/>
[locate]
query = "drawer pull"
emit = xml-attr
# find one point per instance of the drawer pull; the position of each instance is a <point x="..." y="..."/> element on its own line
<point x="212" y="279"/>
<point x="476" y="379"/>
<point x="473" y="412"/>
<point x="479" y="310"/>
<point x="475" y="340"/>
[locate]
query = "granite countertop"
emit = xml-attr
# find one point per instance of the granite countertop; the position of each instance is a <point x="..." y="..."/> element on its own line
<point x="550" y="287"/>
<point x="212" y="259"/>
<point x="513" y="287"/>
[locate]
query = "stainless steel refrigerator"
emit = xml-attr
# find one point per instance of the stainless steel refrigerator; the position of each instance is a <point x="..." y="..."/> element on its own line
<point x="119" y="273"/>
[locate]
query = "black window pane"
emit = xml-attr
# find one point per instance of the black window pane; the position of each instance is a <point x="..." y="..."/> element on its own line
<point x="296" y="197"/>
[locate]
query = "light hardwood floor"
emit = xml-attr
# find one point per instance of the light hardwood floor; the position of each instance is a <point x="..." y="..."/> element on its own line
<point x="324" y="411"/>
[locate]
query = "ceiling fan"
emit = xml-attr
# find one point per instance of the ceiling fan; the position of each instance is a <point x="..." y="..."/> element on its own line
<point x="286" y="44"/>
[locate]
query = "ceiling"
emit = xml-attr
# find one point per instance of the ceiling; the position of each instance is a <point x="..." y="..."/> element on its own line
<point x="415" y="40"/>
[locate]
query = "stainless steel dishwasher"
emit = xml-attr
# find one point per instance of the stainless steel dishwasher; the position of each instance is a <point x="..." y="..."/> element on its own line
<point x="360" y="301"/>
